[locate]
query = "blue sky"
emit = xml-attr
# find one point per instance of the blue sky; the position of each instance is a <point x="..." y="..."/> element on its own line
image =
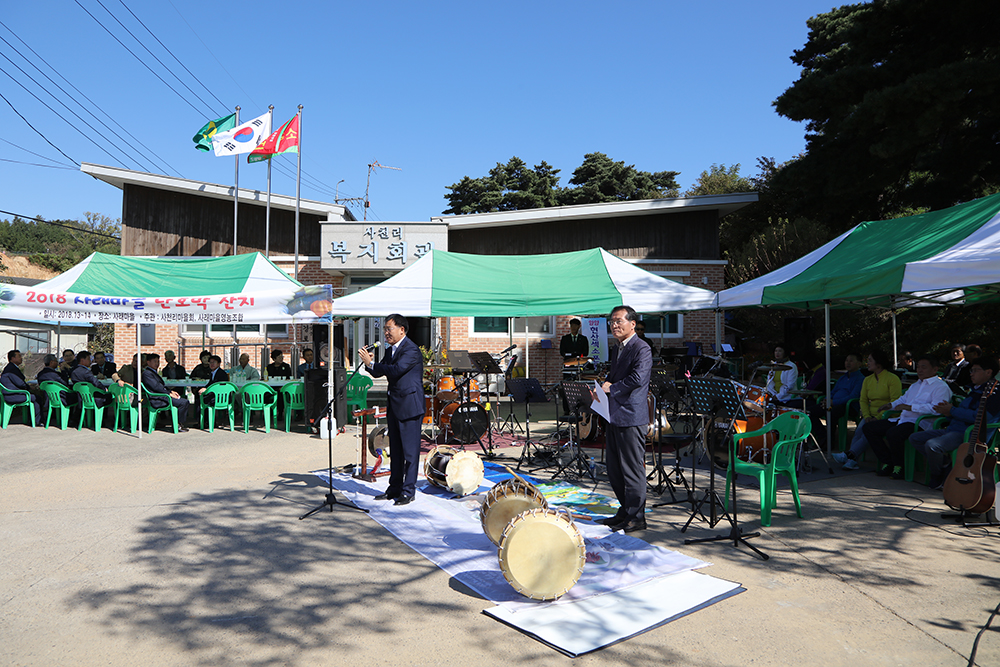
<point x="441" y="90"/>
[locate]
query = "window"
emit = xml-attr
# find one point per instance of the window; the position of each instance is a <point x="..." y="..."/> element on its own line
<point x="674" y="325"/>
<point x="35" y="342"/>
<point x="497" y="326"/>
<point x="226" y="330"/>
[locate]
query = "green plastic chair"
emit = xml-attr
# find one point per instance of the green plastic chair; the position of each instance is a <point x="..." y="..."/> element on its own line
<point x="7" y="409"/>
<point x="125" y="404"/>
<point x="792" y="429"/>
<point x="54" y="391"/>
<point x="224" y="393"/>
<point x="294" y="394"/>
<point x="357" y="395"/>
<point x="88" y="404"/>
<point x="910" y="454"/>
<point x="152" y="413"/>
<point x="254" y="394"/>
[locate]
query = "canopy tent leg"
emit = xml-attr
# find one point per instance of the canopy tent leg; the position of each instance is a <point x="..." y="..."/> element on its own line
<point x="718" y="333"/>
<point x="138" y="374"/>
<point x="895" y="344"/>
<point x="829" y="373"/>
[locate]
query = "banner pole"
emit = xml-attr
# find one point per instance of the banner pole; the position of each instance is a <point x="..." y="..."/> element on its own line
<point x="267" y="214"/>
<point x="298" y="190"/>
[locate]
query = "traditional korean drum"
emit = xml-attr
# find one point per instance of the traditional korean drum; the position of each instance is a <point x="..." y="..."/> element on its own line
<point x="542" y="553"/>
<point x="505" y="501"/>
<point x="459" y="472"/>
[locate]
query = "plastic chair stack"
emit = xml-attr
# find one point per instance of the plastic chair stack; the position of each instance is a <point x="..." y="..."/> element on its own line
<point x="792" y="429"/>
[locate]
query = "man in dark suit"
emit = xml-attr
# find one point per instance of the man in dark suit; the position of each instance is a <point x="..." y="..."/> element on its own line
<point x="13" y="378"/>
<point x="403" y="367"/>
<point x="151" y="381"/>
<point x="103" y="368"/>
<point x="215" y="374"/>
<point x="627" y="386"/>
<point x="573" y="344"/>
<point x="83" y="374"/>
<point x="50" y="373"/>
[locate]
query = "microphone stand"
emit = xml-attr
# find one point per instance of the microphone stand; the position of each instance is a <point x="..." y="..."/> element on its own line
<point x="331" y="499"/>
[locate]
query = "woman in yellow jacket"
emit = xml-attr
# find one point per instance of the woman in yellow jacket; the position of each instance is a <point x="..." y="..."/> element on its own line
<point x="881" y="387"/>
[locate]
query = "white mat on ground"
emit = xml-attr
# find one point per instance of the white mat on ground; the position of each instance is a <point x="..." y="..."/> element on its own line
<point x="624" y="577"/>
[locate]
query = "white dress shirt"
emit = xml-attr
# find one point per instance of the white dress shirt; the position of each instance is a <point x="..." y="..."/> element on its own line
<point x="922" y="396"/>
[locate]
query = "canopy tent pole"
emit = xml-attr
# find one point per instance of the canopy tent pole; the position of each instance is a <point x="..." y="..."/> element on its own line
<point x="138" y="374"/>
<point x="829" y="426"/>
<point x="236" y="192"/>
<point x="663" y="328"/>
<point x="267" y="211"/>
<point x="527" y="354"/>
<point x="59" y="339"/>
<point x="718" y="333"/>
<point x="895" y="344"/>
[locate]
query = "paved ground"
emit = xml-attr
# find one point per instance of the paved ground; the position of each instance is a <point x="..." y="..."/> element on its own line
<point x="187" y="550"/>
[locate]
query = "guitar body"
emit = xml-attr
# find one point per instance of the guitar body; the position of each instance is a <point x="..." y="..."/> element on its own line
<point x="970" y="484"/>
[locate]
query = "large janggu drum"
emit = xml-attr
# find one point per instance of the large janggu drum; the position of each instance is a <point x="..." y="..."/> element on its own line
<point x="542" y="553"/>
<point x="504" y="502"/>
<point x="459" y="472"/>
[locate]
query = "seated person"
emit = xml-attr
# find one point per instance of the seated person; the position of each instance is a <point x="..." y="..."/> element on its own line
<point x="640" y="331"/>
<point x="573" y="344"/>
<point x="307" y="363"/>
<point x="102" y="368"/>
<point x="67" y="364"/>
<point x="848" y="386"/>
<point x="50" y="373"/>
<point x="172" y="370"/>
<point x="151" y="381"/>
<point x="128" y="373"/>
<point x="82" y="374"/>
<point x="244" y="372"/>
<point x="905" y="362"/>
<point x="957" y="372"/>
<point x="887" y="437"/>
<point x="780" y="385"/>
<point x="13" y="378"/>
<point x="216" y="374"/>
<point x="278" y="368"/>
<point x="200" y="372"/>
<point x="936" y="444"/>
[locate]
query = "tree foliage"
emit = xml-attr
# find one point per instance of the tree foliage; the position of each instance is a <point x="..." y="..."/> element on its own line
<point x="60" y="246"/>
<point x="514" y="186"/>
<point x="899" y="100"/>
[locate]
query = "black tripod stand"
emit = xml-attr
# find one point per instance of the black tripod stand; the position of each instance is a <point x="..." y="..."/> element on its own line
<point x="527" y="391"/>
<point x="331" y="499"/>
<point x="712" y="395"/>
<point x="664" y="392"/>
<point x="578" y="398"/>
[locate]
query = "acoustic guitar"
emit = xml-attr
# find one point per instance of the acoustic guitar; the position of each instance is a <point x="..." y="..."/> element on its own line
<point x="970" y="486"/>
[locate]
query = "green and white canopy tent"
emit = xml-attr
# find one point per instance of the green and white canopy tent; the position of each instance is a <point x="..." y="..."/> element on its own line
<point x="451" y="284"/>
<point x="170" y="290"/>
<point x="946" y="257"/>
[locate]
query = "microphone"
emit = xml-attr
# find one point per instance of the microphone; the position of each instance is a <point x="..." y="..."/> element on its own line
<point x="371" y="347"/>
<point x="509" y="349"/>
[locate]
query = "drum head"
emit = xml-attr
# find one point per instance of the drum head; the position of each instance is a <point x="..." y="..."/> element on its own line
<point x="436" y="465"/>
<point x="469" y="422"/>
<point x="464" y="473"/>
<point x="504" y="502"/>
<point x="542" y="554"/>
<point x="378" y="442"/>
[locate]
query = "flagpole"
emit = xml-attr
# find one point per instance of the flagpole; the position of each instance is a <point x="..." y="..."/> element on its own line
<point x="236" y="195"/>
<point x="267" y="214"/>
<point x="298" y="190"/>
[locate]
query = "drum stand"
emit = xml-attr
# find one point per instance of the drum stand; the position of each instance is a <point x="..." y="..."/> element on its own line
<point x="331" y="499"/>
<point x="710" y="397"/>
<point x="578" y="397"/>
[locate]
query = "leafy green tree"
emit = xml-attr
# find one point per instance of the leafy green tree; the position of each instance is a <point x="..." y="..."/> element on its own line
<point x="600" y="179"/>
<point x="899" y="99"/>
<point x="62" y="243"/>
<point x="508" y="187"/>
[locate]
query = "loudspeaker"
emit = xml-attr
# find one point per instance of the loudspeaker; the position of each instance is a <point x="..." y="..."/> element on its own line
<point x="316" y="394"/>
<point x="800" y="336"/>
<point x="325" y="352"/>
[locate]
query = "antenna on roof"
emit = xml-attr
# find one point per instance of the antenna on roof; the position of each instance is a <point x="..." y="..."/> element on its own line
<point x="371" y="166"/>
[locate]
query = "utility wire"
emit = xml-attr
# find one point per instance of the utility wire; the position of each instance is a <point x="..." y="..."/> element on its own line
<point x="34" y="153"/>
<point x="59" y="224"/>
<point x="84" y="134"/>
<point x="139" y="42"/>
<point x="141" y="61"/>
<point x="95" y="105"/>
<point x="35" y="164"/>
<point x="36" y="131"/>
<point x="221" y="103"/>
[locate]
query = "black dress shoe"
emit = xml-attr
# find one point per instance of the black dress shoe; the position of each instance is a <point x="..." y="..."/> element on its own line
<point x="403" y="500"/>
<point x="630" y="526"/>
<point x="386" y="496"/>
<point x="183" y="429"/>
<point x="612" y="520"/>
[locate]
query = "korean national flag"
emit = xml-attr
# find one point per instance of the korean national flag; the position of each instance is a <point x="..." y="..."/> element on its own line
<point x="242" y="138"/>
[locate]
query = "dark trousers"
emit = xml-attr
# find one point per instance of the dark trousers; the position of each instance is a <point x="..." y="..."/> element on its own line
<point x="404" y="455"/>
<point x="626" y="461"/>
<point x="888" y="440"/>
<point x="182" y="405"/>
<point x="41" y="402"/>
<point x="816" y="413"/>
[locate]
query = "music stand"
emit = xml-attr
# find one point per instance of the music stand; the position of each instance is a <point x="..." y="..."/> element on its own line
<point x="526" y="390"/>
<point x="578" y="398"/>
<point x="663" y="390"/>
<point x="487" y="365"/>
<point x="711" y="395"/>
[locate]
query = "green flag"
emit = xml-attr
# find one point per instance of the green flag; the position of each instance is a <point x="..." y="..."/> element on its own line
<point x="203" y="140"/>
